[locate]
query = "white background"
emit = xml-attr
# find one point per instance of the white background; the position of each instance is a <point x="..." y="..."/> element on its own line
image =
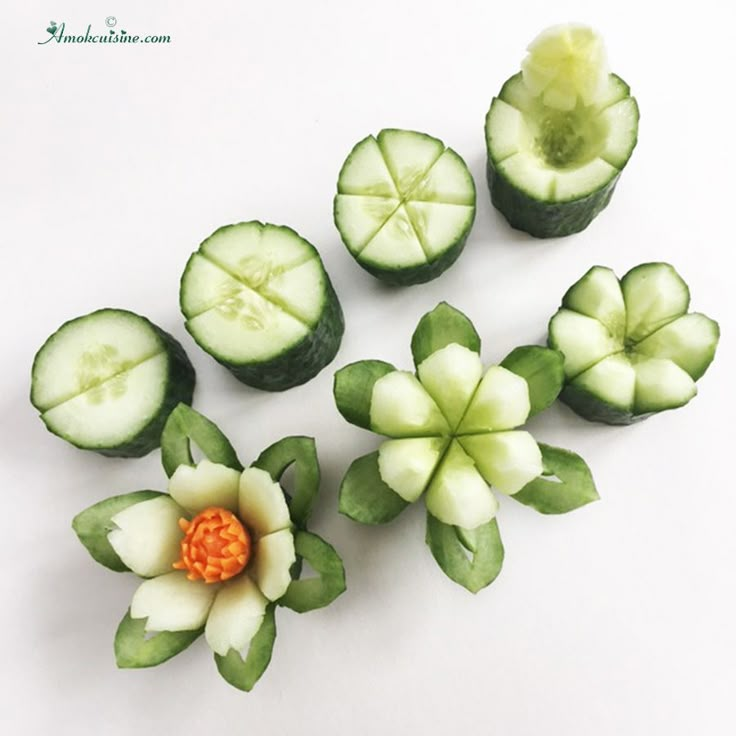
<point x="117" y="161"/>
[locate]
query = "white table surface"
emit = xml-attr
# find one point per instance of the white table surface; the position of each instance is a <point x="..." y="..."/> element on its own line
<point x="117" y="161"/>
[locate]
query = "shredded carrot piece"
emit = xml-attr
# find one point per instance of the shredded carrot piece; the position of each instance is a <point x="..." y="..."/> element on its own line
<point x="216" y="546"/>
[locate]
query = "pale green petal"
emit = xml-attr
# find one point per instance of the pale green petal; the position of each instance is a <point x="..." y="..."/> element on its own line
<point x="171" y="602"/>
<point x="207" y="484"/>
<point x="147" y="538"/>
<point x="236" y="616"/>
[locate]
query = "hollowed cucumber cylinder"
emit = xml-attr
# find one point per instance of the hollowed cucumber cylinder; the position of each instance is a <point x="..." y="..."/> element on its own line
<point x="257" y="298"/>
<point x="559" y="134"/>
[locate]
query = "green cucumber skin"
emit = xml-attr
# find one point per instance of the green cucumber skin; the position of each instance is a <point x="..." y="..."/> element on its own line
<point x="180" y="389"/>
<point x="301" y="362"/>
<point x="545" y="219"/>
<point x="426" y="271"/>
<point x="590" y="407"/>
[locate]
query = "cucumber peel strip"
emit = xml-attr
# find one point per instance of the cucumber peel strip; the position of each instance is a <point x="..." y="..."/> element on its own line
<point x="94" y="524"/>
<point x="184" y="426"/>
<point x="353" y="389"/>
<point x="471" y="557"/>
<point x="543" y="370"/>
<point x="365" y="497"/>
<point x="245" y="673"/>
<point x="566" y="485"/>
<point x="302" y="453"/>
<point x="315" y="592"/>
<point x="134" y="648"/>
<point x="440" y="327"/>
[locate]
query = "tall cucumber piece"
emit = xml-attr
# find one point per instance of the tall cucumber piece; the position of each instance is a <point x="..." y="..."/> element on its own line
<point x="631" y="350"/>
<point x="257" y="298"/>
<point x="559" y="134"/>
<point x="107" y="381"/>
<point x="404" y="206"/>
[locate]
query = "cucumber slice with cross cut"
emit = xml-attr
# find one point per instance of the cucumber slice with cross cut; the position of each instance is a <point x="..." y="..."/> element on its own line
<point x="257" y="298"/>
<point x="559" y="134"/>
<point x="405" y="204"/>
<point x="107" y="381"/>
<point x="631" y="350"/>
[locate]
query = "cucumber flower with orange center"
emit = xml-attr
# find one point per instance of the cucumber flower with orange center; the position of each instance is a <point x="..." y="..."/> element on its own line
<point x="215" y="551"/>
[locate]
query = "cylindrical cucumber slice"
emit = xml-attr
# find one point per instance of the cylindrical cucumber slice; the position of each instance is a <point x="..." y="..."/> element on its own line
<point x="404" y="206"/>
<point x="108" y="380"/>
<point x="630" y="348"/>
<point x="559" y="134"/>
<point x="257" y="298"/>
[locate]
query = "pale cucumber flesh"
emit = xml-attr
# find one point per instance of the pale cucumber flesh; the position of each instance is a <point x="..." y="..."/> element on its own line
<point x="108" y="380"/>
<point x="404" y="200"/>
<point x="252" y="292"/>
<point x="630" y="350"/>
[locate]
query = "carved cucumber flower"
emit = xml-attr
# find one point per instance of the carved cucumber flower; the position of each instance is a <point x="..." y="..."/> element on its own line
<point x="453" y="436"/>
<point x="218" y="551"/>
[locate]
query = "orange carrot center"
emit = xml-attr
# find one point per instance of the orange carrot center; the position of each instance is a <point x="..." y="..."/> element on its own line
<point x="216" y="546"/>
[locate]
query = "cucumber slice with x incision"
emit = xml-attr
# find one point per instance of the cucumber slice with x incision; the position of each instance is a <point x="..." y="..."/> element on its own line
<point x="257" y="298"/>
<point x="559" y="134"/>
<point x="630" y="348"/>
<point x="107" y="381"/>
<point x="404" y="206"/>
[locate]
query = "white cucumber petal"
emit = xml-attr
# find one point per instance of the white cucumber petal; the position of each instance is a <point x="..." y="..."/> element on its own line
<point x="598" y="295"/>
<point x="515" y="93"/>
<point x="439" y="226"/>
<point x="147" y="536"/>
<point x="448" y="181"/>
<point x="582" y="340"/>
<point x="614" y="90"/>
<point x="690" y="341"/>
<point x="274" y="557"/>
<point x="262" y="504"/>
<point x="88" y="351"/>
<point x="506" y="131"/>
<point x="622" y="123"/>
<point x="406" y="465"/>
<point x="526" y="172"/>
<point x="660" y="385"/>
<point x="451" y="376"/>
<point x="359" y="218"/>
<point x="300" y="290"/>
<point x="654" y="294"/>
<point x="207" y="484"/>
<point x="171" y="602"/>
<point x="246" y="328"/>
<point x="365" y="172"/>
<point x="458" y="495"/>
<point x="579" y="182"/>
<point x="500" y="402"/>
<point x="395" y="244"/>
<point x="409" y="156"/>
<point x="401" y="407"/>
<point x="115" y="410"/>
<point x="205" y="285"/>
<point x="612" y="380"/>
<point x="506" y="460"/>
<point x="236" y="616"/>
